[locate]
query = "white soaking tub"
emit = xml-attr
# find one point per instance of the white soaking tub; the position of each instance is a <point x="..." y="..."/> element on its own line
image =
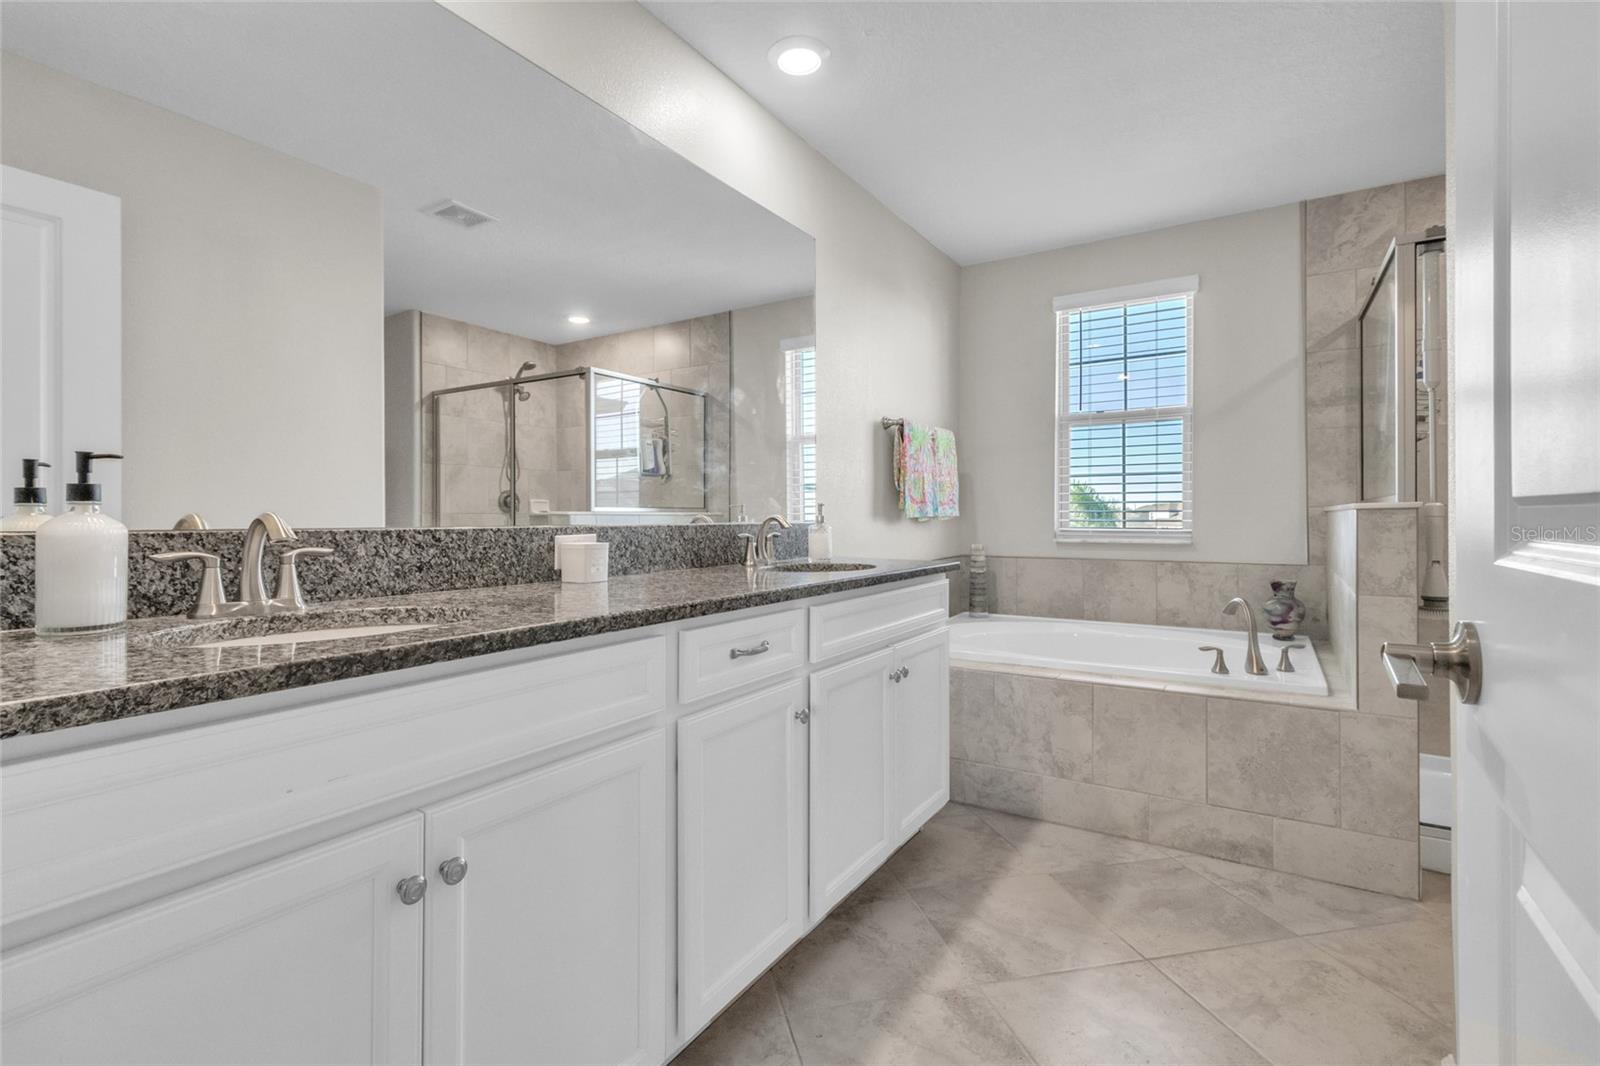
<point x="1168" y="654"/>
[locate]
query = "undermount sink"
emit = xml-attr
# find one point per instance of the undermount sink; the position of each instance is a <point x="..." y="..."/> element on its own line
<point x="311" y="627"/>
<point x="821" y="568"/>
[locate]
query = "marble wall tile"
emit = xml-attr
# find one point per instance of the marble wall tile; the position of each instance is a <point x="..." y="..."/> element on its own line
<point x="1193" y="594"/>
<point x="670" y="348"/>
<point x="1047" y="725"/>
<point x="1316" y="536"/>
<point x="1118" y="590"/>
<point x="971" y="707"/>
<point x="1386" y="552"/>
<point x="1273" y="759"/>
<point x="1351" y="230"/>
<point x="1333" y="455"/>
<point x="1003" y="584"/>
<point x="1048" y="588"/>
<point x="1424" y="204"/>
<point x="1217" y="831"/>
<point x="1331" y="309"/>
<point x="1378" y="777"/>
<point x="1104" y="810"/>
<point x="1333" y="379"/>
<point x="444" y="341"/>
<point x="996" y="788"/>
<point x="488" y="351"/>
<point x="1375" y="863"/>
<point x="1150" y="741"/>
<point x="1381" y="618"/>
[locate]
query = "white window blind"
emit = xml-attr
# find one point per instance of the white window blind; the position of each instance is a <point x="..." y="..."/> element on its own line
<point x="1124" y="415"/>
<point x="616" y="442"/>
<point x="800" y="409"/>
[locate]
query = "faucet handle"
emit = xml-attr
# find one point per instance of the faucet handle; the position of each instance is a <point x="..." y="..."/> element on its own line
<point x="289" y="594"/>
<point x="1284" y="665"/>
<point x="751" y="558"/>
<point x="1219" y="665"/>
<point x="208" y="603"/>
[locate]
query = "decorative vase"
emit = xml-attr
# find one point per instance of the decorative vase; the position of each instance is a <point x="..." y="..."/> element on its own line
<point x="1284" y="611"/>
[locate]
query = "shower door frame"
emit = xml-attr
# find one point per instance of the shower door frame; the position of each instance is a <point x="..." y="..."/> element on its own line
<point x="649" y="383"/>
<point x="1401" y="257"/>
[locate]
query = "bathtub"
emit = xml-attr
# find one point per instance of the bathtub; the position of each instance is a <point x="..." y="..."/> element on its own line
<point x="1166" y="654"/>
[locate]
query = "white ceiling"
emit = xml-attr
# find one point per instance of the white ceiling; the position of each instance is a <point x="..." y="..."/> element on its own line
<point x="997" y="129"/>
<point x="594" y="216"/>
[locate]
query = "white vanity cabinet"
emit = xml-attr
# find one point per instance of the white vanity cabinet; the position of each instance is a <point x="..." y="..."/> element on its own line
<point x="550" y="947"/>
<point x="617" y="836"/>
<point x="741" y="844"/>
<point x="310" y="958"/>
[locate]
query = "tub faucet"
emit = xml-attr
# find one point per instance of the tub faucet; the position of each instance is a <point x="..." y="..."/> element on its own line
<point x="1252" y="654"/>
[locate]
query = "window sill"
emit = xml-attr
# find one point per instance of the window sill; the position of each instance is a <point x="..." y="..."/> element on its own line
<point x="1124" y="536"/>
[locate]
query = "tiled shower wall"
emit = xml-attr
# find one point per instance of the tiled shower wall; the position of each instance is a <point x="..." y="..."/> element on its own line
<point x="1344" y="241"/>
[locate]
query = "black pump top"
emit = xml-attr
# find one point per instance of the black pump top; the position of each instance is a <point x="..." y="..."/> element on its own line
<point x="29" y="492"/>
<point x="83" y="490"/>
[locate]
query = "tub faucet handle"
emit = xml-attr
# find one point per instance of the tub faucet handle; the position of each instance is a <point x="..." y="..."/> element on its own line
<point x="1284" y="665"/>
<point x="1219" y="665"/>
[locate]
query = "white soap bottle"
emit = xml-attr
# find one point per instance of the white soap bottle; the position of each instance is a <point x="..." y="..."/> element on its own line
<point x="81" y="562"/>
<point x="30" y="500"/>
<point x="819" y="540"/>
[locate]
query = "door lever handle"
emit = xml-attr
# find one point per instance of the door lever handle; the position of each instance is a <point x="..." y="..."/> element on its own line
<point x="1460" y="659"/>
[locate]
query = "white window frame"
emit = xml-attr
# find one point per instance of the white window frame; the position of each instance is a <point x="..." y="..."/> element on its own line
<point x="1168" y="288"/>
<point x="794" y="440"/>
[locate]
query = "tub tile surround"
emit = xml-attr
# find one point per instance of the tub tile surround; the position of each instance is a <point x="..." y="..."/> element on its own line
<point x="1314" y="790"/>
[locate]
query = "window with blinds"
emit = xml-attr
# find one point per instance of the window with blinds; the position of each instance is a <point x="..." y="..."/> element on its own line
<point x="800" y="410"/>
<point x="1124" y="414"/>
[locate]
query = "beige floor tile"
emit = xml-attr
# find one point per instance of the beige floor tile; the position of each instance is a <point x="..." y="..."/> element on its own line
<point x="870" y="951"/>
<point x="1301" y="904"/>
<point x="961" y="816"/>
<point x="1436" y="894"/>
<point x="1114" y="1014"/>
<point x="1019" y="927"/>
<point x="1411" y="959"/>
<point x="751" y="1032"/>
<point x="1165" y="908"/>
<point x="942" y="851"/>
<point x="1048" y="846"/>
<point x="1298" y="1005"/>
<point x="956" y="1028"/>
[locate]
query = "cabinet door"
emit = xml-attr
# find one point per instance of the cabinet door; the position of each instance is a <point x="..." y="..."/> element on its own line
<point x="851" y="791"/>
<point x="921" y="719"/>
<point x="552" y="948"/>
<point x="741" y="845"/>
<point x="311" y="958"/>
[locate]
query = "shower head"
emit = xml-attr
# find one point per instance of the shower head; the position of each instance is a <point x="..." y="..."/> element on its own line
<point x="522" y="393"/>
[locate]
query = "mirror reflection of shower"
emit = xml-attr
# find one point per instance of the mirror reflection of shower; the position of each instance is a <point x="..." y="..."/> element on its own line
<point x="1404" y="417"/>
<point x="511" y="463"/>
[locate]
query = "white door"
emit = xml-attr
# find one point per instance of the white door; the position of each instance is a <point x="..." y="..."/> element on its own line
<point x="312" y="958"/>
<point x="60" y="330"/>
<point x="850" y="788"/>
<point x="741" y="845"/>
<point x="552" y="947"/>
<point x="921" y="716"/>
<point x="1526" y="242"/>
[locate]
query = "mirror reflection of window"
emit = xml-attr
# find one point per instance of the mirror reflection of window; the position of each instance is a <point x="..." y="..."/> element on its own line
<point x="800" y="408"/>
<point x="616" y="442"/>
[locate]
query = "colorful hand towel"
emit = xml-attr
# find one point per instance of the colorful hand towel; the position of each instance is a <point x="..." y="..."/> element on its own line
<point x="925" y="472"/>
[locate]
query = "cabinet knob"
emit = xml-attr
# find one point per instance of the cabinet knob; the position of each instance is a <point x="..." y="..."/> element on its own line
<point x="803" y="715"/>
<point x="897" y="675"/>
<point x="412" y="889"/>
<point x="453" y="871"/>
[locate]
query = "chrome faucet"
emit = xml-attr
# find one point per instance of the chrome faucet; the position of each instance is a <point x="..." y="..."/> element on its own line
<point x="1252" y="654"/>
<point x="767" y="541"/>
<point x="253" y="599"/>
<point x="252" y="586"/>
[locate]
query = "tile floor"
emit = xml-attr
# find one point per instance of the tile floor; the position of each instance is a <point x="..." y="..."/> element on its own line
<point x="995" y="939"/>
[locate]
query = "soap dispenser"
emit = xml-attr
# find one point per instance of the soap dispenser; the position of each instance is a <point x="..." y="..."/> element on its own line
<point x="81" y="562"/>
<point x="819" y="539"/>
<point x="30" y="500"/>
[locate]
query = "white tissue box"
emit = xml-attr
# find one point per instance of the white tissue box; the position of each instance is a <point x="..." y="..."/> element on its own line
<point x="586" y="562"/>
<point x="565" y="541"/>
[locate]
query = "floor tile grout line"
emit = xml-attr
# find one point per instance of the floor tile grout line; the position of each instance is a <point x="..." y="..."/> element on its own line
<point x="783" y="1008"/>
<point x="1424" y="1011"/>
<point x="1211" y="1013"/>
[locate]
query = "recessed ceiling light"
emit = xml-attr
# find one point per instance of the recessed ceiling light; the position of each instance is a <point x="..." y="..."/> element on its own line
<point x="798" y="56"/>
<point x="578" y="320"/>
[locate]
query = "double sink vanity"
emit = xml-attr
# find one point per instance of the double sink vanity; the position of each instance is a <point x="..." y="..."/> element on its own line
<point x="534" y="823"/>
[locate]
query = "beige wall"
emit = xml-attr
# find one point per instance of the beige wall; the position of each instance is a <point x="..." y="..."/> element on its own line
<point x="1248" y="442"/>
<point x="252" y="307"/>
<point x="885" y="298"/>
<point x="760" y="440"/>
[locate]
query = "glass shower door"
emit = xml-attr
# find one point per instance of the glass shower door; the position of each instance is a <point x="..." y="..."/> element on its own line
<point x="1380" y="388"/>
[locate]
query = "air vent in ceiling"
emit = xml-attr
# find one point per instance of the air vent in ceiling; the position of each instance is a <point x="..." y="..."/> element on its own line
<point x="459" y="213"/>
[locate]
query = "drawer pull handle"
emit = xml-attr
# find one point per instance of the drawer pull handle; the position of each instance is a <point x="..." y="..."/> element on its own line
<point x="760" y="649"/>
<point x="412" y="889"/>
<point x="453" y="870"/>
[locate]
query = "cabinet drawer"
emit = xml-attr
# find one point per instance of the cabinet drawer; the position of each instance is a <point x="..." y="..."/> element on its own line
<point x="730" y="655"/>
<point x="855" y="625"/>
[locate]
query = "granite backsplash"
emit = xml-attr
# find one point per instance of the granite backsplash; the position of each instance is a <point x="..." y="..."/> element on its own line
<point x="387" y="562"/>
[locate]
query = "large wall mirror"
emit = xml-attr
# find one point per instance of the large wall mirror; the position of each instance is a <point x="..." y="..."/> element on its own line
<point x="360" y="264"/>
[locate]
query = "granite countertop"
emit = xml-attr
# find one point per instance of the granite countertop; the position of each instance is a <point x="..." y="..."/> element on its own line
<point x="152" y="665"/>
